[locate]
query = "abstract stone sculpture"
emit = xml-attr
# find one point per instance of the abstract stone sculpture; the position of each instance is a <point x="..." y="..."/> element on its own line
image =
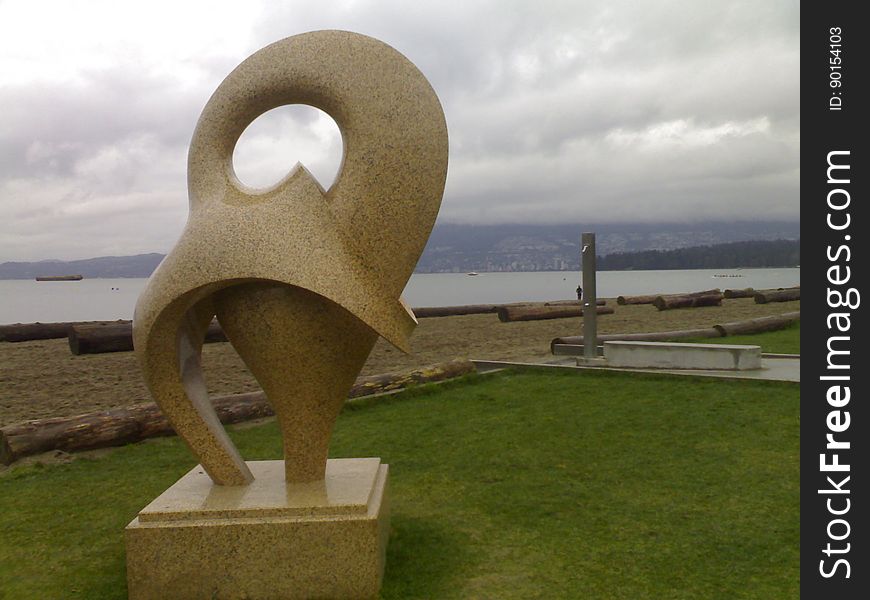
<point x="302" y="280"/>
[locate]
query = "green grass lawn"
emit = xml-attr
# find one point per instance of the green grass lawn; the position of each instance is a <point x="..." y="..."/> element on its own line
<point x="512" y="485"/>
<point x="784" y="341"/>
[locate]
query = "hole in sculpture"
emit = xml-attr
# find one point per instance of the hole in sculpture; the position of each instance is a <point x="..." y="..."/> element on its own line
<point x="281" y="137"/>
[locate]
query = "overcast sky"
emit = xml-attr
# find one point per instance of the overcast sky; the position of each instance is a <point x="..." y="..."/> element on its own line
<point x="584" y="111"/>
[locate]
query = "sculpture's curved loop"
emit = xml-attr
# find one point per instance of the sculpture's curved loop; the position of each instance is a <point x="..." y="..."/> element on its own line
<point x="294" y="261"/>
<point x="394" y="132"/>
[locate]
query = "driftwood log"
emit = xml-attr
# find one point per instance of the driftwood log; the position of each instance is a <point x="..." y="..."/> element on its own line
<point x="651" y="298"/>
<point x="653" y="336"/>
<point x="388" y="382"/>
<point x="750" y="293"/>
<point x="786" y="295"/>
<point x="425" y="312"/>
<point x="759" y="325"/>
<point x="598" y="302"/>
<point x="510" y="314"/>
<point x="671" y="302"/>
<point x="744" y="293"/>
<point x="121" y="426"/>
<point x="98" y="339"/>
<point x="114" y="427"/>
<point x="25" y="332"/>
<point x="647" y="299"/>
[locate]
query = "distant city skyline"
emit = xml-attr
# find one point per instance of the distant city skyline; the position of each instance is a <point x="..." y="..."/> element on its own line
<point x="558" y="111"/>
<point x="510" y="248"/>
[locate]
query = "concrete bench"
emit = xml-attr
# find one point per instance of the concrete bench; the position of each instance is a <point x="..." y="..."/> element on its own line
<point x="669" y="355"/>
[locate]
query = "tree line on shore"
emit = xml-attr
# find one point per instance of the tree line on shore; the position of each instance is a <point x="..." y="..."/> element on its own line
<point x="729" y="255"/>
<point x="732" y="255"/>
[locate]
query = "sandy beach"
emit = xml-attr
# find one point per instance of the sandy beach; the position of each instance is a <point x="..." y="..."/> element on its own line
<point x="41" y="379"/>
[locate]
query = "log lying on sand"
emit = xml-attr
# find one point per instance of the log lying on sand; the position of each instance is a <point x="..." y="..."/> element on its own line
<point x="751" y="293"/>
<point x="671" y="302"/>
<point x="653" y="336"/>
<point x="25" y="332"/>
<point x="651" y="298"/>
<point x="121" y="426"/>
<point x="510" y="314"/>
<point x="22" y="332"/>
<point x="97" y="339"/>
<point x="598" y="302"/>
<point x="378" y="384"/>
<point x="787" y="295"/>
<point x="425" y="312"/>
<point x="760" y="324"/>
<point x="648" y="299"/>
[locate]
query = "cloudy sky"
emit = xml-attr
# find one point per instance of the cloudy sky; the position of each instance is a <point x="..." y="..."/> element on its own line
<point x="558" y="111"/>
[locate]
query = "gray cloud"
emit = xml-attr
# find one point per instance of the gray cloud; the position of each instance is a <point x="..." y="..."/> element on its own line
<point x="558" y="112"/>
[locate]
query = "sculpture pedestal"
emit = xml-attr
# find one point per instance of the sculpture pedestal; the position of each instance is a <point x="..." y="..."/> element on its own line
<point x="324" y="539"/>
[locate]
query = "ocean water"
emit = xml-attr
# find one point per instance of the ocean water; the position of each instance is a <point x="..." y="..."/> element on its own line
<point x="26" y="301"/>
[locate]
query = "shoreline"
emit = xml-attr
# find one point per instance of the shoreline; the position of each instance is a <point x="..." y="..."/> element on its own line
<point x="112" y="299"/>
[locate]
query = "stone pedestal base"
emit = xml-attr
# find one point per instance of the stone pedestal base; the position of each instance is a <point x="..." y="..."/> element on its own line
<point x="325" y="539"/>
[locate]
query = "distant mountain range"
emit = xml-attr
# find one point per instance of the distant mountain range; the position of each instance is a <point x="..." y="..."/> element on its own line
<point x="106" y="267"/>
<point x="464" y="248"/>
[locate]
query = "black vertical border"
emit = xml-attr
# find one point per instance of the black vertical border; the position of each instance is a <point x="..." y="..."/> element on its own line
<point x="824" y="130"/>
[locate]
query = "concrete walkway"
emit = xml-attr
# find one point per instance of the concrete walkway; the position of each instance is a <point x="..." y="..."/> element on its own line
<point x="772" y="369"/>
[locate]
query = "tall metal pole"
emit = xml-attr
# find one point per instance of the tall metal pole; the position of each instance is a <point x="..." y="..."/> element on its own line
<point x="590" y="315"/>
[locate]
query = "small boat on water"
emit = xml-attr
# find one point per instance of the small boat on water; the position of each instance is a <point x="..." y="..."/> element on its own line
<point x="471" y="273"/>
<point x="728" y="275"/>
<point x="60" y="278"/>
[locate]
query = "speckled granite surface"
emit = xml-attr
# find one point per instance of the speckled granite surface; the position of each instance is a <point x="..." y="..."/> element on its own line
<point x="302" y="279"/>
<point x="271" y="539"/>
